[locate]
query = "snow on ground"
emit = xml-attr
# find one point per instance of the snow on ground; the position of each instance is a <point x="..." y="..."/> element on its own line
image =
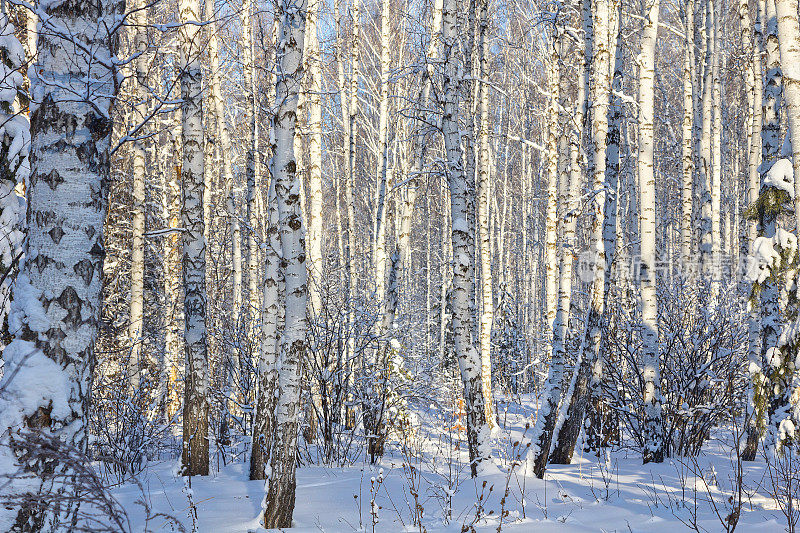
<point x="615" y="494"/>
<point x="573" y="498"/>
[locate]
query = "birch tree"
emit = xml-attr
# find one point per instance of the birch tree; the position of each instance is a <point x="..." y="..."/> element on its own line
<point x="251" y="165"/>
<point x="267" y="370"/>
<point x="57" y="295"/>
<point x="651" y="363"/>
<point x="687" y="144"/>
<point x="315" y="215"/>
<point x="173" y="338"/>
<point x="551" y="213"/>
<point x="752" y="37"/>
<point x="280" y="497"/>
<point x="546" y="418"/>
<point x="139" y="178"/>
<point x="705" y="237"/>
<point x="195" y="406"/>
<point x="484" y="194"/>
<point x="462" y="204"/>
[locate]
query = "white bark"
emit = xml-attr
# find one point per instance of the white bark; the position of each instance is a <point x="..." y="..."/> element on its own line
<point x="196" y="402"/>
<point x="138" y="198"/>
<point x="653" y="423"/>
<point x="315" y="217"/>
<point x="14" y="169"/>
<point x="789" y="43"/>
<point x="716" y="160"/>
<point x="57" y="297"/>
<point x="484" y="196"/>
<point x="551" y="214"/>
<point x="173" y="339"/>
<point x="280" y="497"/>
<point x="272" y="295"/>
<point x="687" y="139"/>
<point x="705" y="237"/>
<point x="252" y="305"/>
<point x="462" y="203"/>
<point x="379" y="249"/>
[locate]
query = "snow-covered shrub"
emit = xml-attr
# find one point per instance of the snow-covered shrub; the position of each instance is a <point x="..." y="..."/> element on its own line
<point x="702" y="363"/>
<point x="511" y="353"/>
<point x="15" y="140"/>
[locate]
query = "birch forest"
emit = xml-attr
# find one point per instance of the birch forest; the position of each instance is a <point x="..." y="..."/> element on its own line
<point x="399" y="265"/>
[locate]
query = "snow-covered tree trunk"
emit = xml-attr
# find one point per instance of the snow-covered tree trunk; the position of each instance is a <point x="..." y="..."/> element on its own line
<point x="787" y="412"/>
<point x="484" y="196"/>
<point x="280" y="497"/>
<point x="315" y="216"/>
<point x="595" y="429"/>
<point x="547" y="417"/>
<point x="773" y="89"/>
<point x="769" y="293"/>
<point x="14" y="169"/>
<point x="267" y="377"/>
<point x="551" y="210"/>
<point x="687" y="139"/>
<point x="653" y="432"/>
<point x="196" y="401"/>
<point x="139" y="171"/>
<point x="573" y="406"/>
<point x="705" y="238"/>
<point x="754" y="45"/>
<point x="173" y="313"/>
<point x="56" y="306"/>
<point x="462" y="204"/>
<point x="716" y="158"/>
<point x="251" y="306"/>
<point x="379" y="255"/>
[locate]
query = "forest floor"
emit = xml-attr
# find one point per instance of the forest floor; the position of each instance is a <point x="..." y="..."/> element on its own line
<point x="613" y="494"/>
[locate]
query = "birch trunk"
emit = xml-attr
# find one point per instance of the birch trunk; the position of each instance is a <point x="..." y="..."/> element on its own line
<point x="542" y="435"/>
<point x="752" y="36"/>
<point x="484" y="196"/>
<point x="251" y="166"/>
<point x="173" y="313"/>
<point x="462" y="205"/>
<point x="315" y="223"/>
<point x="771" y="138"/>
<point x="573" y="407"/>
<point x="372" y="407"/>
<point x="786" y="409"/>
<point x="220" y="125"/>
<point x="687" y="144"/>
<point x="195" y="407"/>
<point x="789" y="41"/>
<point x="596" y="429"/>
<point x="705" y="237"/>
<point x="56" y="309"/>
<point x="350" y="175"/>
<point x="551" y="214"/>
<point x="268" y="350"/>
<point x="653" y="422"/>
<point x="138" y="199"/>
<point x="767" y="227"/>
<point x="381" y="171"/>
<point x="716" y="161"/>
<point x="280" y="497"/>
